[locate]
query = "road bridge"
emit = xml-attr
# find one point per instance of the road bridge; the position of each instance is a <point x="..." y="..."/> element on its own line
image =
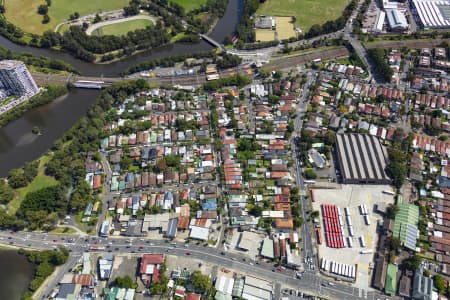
<point x="211" y="41"/>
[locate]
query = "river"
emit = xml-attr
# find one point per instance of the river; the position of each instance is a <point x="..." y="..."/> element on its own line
<point x="19" y="145"/>
<point x="224" y="27"/>
<point x="15" y="276"/>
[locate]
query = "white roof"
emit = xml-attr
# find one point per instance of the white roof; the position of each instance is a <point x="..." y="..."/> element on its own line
<point x="260" y="283"/>
<point x="254" y="293"/>
<point x="396" y="19"/>
<point x="149" y="269"/>
<point x="224" y="284"/>
<point x="199" y="233"/>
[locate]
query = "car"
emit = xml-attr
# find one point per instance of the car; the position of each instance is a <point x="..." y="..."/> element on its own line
<point x="128" y="246"/>
<point x="273" y="270"/>
<point x="54" y="241"/>
<point x="188" y="253"/>
<point x="168" y="250"/>
<point x="116" y="249"/>
<point x="222" y="253"/>
<point x="234" y="258"/>
<point x="10" y="238"/>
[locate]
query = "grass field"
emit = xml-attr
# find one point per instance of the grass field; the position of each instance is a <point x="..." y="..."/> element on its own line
<point x="307" y="12"/>
<point x="23" y="13"/>
<point x="123" y="27"/>
<point x="39" y="182"/>
<point x="189" y="4"/>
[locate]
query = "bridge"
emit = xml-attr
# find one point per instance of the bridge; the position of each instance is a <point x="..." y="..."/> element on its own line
<point x="211" y="41"/>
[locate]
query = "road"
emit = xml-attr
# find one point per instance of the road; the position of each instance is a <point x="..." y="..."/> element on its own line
<point x="305" y="230"/>
<point x="310" y="282"/>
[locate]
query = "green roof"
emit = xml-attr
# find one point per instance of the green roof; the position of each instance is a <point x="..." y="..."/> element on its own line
<point x="390" y="286"/>
<point x="267" y="248"/>
<point x="221" y="296"/>
<point x="405" y="225"/>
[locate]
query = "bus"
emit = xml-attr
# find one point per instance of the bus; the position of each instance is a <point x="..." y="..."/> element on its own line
<point x="388" y="192"/>
<point x="362" y="240"/>
<point x="367" y="220"/>
<point x="347" y="211"/>
<point x="311" y="182"/>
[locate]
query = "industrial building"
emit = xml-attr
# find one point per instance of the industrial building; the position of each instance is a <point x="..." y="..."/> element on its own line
<point x="432" y="13"/>
<point x="396" y="20"/>
<point x="362" y="159"/>
<point x="422" y="286"/>
<point x="15" y="79"/>
<point x="405" y="226"/>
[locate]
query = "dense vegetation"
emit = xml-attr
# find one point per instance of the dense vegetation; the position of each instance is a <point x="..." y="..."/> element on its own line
<point x="245" y="29"/>
<point x="235" y="80"/>
<point x="46" y="262"/>
<point x="51" y="93"/>
<point x="43" y="208"/>
<point x="37" y="61"/>
<point x="165" y="62"/>
<point x="79" y="44"/>
<point x="378" y="56"/>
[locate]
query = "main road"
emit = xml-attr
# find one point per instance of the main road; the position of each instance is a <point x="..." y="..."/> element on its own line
<point x="310" y="282"/>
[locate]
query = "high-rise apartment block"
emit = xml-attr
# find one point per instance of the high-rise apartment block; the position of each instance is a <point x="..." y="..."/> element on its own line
<point x="15" y="78"/>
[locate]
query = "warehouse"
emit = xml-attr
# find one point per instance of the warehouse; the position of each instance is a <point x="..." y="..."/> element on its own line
<point x="432" y="13"/>
<point x="396" y="20"/>
<point x="362" y="159"/>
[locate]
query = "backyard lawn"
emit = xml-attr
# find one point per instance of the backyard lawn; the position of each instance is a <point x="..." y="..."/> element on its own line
<point x="23" y="13"/>
<point x="189" y="4"/>
<point x="122" y="28"/>
<point x="39" y="182"/>
<point x="307" y="12"/>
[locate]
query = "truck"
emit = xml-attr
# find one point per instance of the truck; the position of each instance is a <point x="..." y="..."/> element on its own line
<point x="350" y="230"/>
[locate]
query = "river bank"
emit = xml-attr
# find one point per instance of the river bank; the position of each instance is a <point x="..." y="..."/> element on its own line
<point x="19" y="145"/>
<point x="225" y="26"/>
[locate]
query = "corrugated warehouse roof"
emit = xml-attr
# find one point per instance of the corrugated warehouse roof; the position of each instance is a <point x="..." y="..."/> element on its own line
<point x="391" y="280"/>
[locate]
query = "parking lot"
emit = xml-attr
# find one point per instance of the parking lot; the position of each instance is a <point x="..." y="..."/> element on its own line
<point x="351" y="197"/>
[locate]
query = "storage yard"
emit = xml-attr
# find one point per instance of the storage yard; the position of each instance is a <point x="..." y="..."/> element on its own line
<point x="348" y="220"/>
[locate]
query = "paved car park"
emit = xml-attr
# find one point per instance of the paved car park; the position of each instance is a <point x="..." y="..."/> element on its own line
<point x="364" y="237"/>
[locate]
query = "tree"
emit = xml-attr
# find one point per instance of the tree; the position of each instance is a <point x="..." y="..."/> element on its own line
<point x="97" y="18"/>
<point x="2" y="9"/>
<point x="6" y="192"/>
<point x="310" y="174"/>
<point x="392" y="211"/>
<point x="45" y="19"/>
<point x="16" y="178"/>
<point x="42" y="9"/>
<point x="395" y="243"/>
<point x="439" y="283"/>
<point x="49" y="2"/>
<point x="125" y="282"/>
<point x="412" y="262"/>
<point x="200" y="282"/>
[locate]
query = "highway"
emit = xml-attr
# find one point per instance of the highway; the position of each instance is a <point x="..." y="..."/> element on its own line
<point x="310" y="282"/>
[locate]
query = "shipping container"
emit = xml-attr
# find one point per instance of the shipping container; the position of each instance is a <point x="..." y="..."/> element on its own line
<point x="367" y="220"/>
<point x="339" y="211"/>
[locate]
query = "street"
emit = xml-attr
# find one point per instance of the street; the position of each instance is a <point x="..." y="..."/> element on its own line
<point x="310" y="283"/>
